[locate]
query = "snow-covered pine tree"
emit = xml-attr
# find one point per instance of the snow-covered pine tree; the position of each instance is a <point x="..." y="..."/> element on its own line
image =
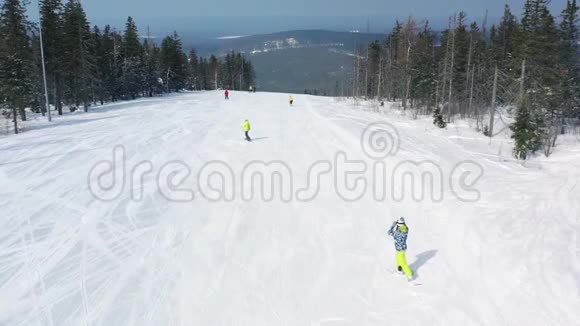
<point x="173" y="63"/>
<point x="249" y="76"/>
<point x="502" y="42"/>
<point x="152" y="68"/>
<point x="16" y="64"/>
<point x="424" y="68"/>
<point x="111" y="43"/>
<point x="38" y="100"/>
<point x="102" y="68"/>
<point x="527" y="131"/>
<point x="215" y="74"/>
<point x="192" y="61"/>
<point x="52" y="37"/>
<point x="538" y="44"/>
<point x="133" y="77"/>
<point x="394" y="67"/>
<point x="460" y="63"/>
<point x="374" y="59"/>
<point x="203" y="75"/>
<point x="133" y="69"/>
<point x="438" y="118"/>
<point x="570" y="59"/>
<point x="77" y="55"/>
<point x="476" y="73"/>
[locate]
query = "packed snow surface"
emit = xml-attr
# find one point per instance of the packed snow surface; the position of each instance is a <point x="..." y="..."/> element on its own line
<point x="503" y="251"/>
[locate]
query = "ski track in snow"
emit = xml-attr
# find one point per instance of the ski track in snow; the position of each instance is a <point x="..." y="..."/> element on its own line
<point x="511" y="258"/>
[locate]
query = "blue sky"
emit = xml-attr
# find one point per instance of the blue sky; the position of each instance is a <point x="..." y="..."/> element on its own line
<point x="188" y="8"/>
<point x="227" y="17"/>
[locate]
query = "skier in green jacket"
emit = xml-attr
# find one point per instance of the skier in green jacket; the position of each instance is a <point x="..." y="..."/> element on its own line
<point x="247" y="129"/>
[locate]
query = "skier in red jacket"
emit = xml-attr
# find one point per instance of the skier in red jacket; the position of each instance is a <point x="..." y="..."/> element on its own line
<point x="227" y="94"/>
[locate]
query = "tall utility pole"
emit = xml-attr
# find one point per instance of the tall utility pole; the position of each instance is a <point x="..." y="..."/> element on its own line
<point x="43" y="66"/>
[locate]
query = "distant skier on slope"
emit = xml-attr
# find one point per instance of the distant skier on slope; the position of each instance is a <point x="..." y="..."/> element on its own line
<point x="227" y="94"/>
<point x="399" y="231"/>
<point x="291" y="100"/>
<point x="247" y="129"/>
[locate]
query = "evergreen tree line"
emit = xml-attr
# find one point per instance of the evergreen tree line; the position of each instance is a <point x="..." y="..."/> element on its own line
<point x="468" y="70"/>
<point x="85" y="66"/>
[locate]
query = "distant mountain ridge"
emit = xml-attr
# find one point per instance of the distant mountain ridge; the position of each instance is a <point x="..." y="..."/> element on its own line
<point x="284" y="40"/>
<point x="294" y="61"/>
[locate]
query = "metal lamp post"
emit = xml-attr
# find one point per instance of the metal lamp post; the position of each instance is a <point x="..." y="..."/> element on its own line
<point x="43" y="66"/>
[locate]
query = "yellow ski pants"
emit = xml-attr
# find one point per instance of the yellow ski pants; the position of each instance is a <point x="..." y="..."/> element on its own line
<point x="402" y="262"/>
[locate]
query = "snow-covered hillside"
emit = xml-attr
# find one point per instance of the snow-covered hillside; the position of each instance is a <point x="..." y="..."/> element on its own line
<point x="493" y="242"/>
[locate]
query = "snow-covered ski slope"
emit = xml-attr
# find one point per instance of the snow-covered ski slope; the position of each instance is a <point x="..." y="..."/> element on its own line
<point x="509" y="257"/>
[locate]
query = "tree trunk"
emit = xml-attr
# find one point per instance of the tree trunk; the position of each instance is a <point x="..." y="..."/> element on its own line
<point x="467" y="73"/>
<point x="492" y="109"/>
<point x="22" y="112"/>
<point x="15" y="120"/>
<point x="58" y="95"/>
<point x="449" y="107"/>
<point x="445" y="62"/>
<point x="407" y="92"/>
<point x="367" y="66"/>
<point x="380" y="77"/>
<point x="436" y="93"/>
<point x="522" y="81"/>
<point x="471" y="99"/>
<point x="355" y="79"/>
<point x="407" y="73"/>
